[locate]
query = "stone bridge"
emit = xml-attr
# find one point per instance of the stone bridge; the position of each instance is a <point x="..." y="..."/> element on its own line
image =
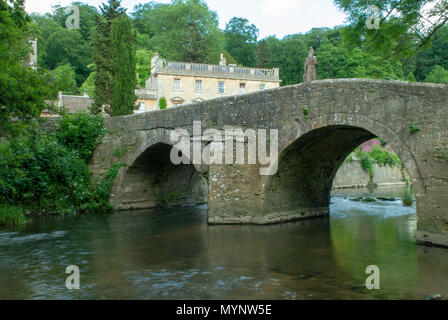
<point x="319" y="124"/>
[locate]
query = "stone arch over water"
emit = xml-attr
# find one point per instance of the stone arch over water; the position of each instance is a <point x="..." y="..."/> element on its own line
<point x="151" y="180"/>
<point x="308" y="165"/>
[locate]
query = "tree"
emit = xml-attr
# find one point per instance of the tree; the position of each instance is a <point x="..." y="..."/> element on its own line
<point x="411" y="77"/>
<point x="405" y="26"/>
<point x="87" y="15"/>
<point x="124" y="63"/>
<point x="436" y="53"/>
<point x="22" y="90"/>
<point x="89" y="85"/>
<point x="185" y="30"/>
<point x="65" y="79"/>
<point x="143" y="66"/>
<point x="438" y="75"/>
<point x="103" y="54"/>
<point x="66" y="46"/>
<point x="241" y="40"/>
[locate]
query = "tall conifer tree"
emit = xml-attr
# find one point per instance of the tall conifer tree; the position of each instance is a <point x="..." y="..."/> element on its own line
<point x="103" y="54"/>
<point x="124" y="81"/>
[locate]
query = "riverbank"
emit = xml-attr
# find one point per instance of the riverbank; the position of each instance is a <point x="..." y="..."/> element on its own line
<point x="352" y="176"/>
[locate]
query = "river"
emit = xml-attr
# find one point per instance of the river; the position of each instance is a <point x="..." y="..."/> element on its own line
<point x="174" y="254"/>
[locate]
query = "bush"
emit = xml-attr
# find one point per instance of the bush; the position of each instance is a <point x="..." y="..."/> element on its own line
<point x="162" y="103"/>
<point x="384" y="157"/>
<point x="11" y="215"/>
<point x="41" y="173"/>
<point x="408" y="199"/>
<point x="81" y="132"/>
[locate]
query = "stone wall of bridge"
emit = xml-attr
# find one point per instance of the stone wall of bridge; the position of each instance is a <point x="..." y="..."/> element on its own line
<point x="319" y="125"/>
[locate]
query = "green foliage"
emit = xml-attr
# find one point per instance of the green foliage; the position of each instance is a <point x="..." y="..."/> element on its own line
<point x="407" y="197"/>
<point x="182" y="30"/>
<point x="305" y="112"/>
<point x="162" y="103"/>
<point x="143" y="67"/>
<point x="45" y="173"/>
<point x="124" y="67"/>
<point x="80" y="132"/>
<point x="40" y="174"/>
<point x="366" y="162"/>
<point x="66" y="46"/>
<point x="65" y="79"/>
<point x="118" y="153"/>
<point x="10" y="215"/>
<point x="414" y="128"/>
<point x="241" y="40"/>
<point x="100" y="197"/>
<point x="404" y="25"/>
<point x="22" y="90"/>
<point x="89" y="85"/>
<point x="384" y="157"/>
<point x="103" y="54"/>
<point x="411" y="77"/>
<point x="438" y="75"/>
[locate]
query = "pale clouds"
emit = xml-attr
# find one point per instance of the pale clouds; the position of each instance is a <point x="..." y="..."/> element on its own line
<point x="280" y="8"/>
<point x="272" y="17"/>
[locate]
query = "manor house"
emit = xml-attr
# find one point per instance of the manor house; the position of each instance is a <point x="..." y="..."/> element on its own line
<point x="184" y="82"/>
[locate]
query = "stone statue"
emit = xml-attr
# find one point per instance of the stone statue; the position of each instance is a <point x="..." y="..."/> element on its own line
<point x="310" y="67"/>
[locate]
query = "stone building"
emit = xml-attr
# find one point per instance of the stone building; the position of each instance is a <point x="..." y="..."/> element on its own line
<point x="184" y="82"/>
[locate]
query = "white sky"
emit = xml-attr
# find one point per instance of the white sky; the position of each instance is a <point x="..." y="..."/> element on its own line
<point x="272" y="17"/>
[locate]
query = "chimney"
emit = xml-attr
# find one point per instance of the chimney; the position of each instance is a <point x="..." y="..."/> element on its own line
<point x="222" y="61"/>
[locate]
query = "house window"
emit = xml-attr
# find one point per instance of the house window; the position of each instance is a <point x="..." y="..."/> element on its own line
<point x="242" y="88"/>
<point x="198" y="87"/>
<point x="262" y="87"/>
<point x="221" y="87"/>
<point x="177" y="85"/>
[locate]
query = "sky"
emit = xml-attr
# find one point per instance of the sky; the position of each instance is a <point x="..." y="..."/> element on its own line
<point x="272" y="17"/>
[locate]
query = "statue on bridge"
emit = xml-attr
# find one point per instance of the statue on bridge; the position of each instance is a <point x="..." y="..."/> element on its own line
<point x="310" y="67"/>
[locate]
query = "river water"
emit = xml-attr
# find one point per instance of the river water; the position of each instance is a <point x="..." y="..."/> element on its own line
<point x="174" y="254"/>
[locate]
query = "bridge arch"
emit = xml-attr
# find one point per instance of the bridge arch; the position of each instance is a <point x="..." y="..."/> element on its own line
<point x="308" y="165"/>
<point x="151" y="180"/>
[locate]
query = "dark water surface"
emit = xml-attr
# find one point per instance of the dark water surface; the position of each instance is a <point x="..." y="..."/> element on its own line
<point x="174" y="254"/>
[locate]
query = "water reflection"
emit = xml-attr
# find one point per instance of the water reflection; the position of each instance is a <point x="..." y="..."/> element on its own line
<point x="173" y="254"/>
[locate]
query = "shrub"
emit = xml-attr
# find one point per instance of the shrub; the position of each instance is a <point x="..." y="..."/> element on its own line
<point x="384" y="157"/>
<point x="40" y="173"/>
<point x="81" y="132"/>
<point x="162" y="103"/>
<point x="11" y="215"/>
<point x="408" y="199"/>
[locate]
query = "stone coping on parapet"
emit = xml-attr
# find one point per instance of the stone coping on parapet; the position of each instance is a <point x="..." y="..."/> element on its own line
<point x="308" y="84"/>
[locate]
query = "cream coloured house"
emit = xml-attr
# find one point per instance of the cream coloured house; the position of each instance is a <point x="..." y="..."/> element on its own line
<point x="182" y="83"/>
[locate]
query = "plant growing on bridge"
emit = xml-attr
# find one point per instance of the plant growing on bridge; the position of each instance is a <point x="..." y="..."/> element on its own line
<point x="306" y="112"/>
<point x="414" y="128"/>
